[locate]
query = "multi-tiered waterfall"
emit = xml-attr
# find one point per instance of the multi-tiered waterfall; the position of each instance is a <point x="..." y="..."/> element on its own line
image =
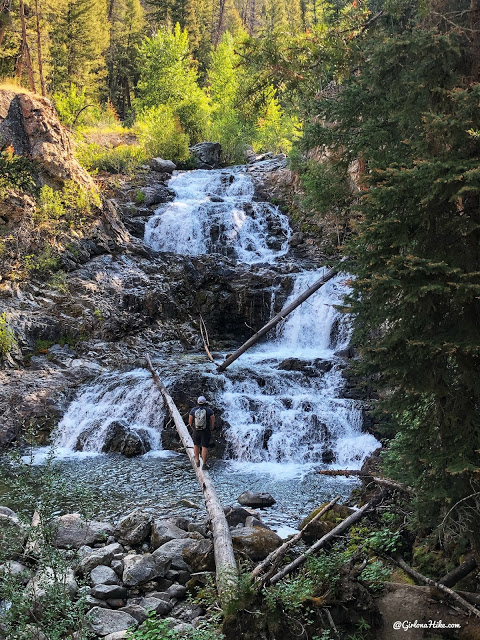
<point x="278" y="411"/>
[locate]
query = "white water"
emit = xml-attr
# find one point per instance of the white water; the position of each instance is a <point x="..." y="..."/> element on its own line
<point x="196" y="223"/>
<point x="280" y="422"/>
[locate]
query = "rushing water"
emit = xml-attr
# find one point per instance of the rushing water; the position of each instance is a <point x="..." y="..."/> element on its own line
<point x="282" y="400"/>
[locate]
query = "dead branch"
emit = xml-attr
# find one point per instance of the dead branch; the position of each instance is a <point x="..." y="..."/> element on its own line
<point x="336" y="531"/>
<point x="384" y="482"/>
<point x="205" y="340"/>
<point x="273" y="559"/>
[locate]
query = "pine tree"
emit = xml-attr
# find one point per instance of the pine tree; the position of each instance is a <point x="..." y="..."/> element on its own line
<point x="79" y="36"/>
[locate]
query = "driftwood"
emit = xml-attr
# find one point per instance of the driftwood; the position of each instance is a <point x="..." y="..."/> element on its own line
<point x="273" y="559"/>
<point x="225" y="565"/>
<point x="384" y="482"/>
<point x="437" y="585"/>
<point x="340" y="528"/>
<point x="278" y="318"/>
<point x="206" y="342"/>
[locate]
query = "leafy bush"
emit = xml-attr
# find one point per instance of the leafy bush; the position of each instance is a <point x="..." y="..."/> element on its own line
<point x="122" y="159"/>
<point x="72" y="203"/>
<point x="161" y="134"/>
<point x="155" y="629"/>
<point x="16" y="172"/>
<point x="74" y="110"/>
<point x="7" y="336"/>
<point x="43" y="262"/>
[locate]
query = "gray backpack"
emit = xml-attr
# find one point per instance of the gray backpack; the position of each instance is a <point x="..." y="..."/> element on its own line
<point x="200" y="419"/>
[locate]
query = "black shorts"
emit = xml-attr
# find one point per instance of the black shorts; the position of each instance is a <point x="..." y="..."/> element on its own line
<point x="201" y="437"/>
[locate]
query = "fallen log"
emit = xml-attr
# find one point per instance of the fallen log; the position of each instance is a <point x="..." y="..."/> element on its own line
<point x="205" y="340"/>
<point x="278" y="318"/>
<point x="437" y="585"/>
<point x="225" y="565"/>
<point x="384" y="482"/>
<point x="460" y="572"/>
<point x="339" y="529"/>
<point x="274" y="558"/>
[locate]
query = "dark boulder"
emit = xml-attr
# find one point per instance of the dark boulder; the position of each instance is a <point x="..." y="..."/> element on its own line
<point x="208" y="154"/>
<point x="256" y="499"/>
<point x="120" y="438"/>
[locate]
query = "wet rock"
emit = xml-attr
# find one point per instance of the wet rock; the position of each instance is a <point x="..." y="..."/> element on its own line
<point x="120" y="438"/>
<point x="141" y="569"/>
<point x="157" y="195"/>
<point x="105" y="621"/>
<point x="73" y="531"/>
<point x="178" y="591"/>
<point x="327" y="522"/>
<point x="328" y="456"/>
<point x="296" y="239"/>
<point x="255" y="542"/>
<point x="163" y="531"/>
<point x="311" y="368"/>
<point x="162" y="166"/>
<point x="208" y="154"/>
<point x="255" y="499"/>
<point x="103" y="575"/>
<point x="134" y="528"/>
<point x="236" y="515"/>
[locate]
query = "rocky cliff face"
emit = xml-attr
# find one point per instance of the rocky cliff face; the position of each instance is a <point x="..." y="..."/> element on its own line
<point x="30" y="125"/>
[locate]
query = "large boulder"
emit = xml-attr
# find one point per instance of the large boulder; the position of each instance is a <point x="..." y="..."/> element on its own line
<point x="162" y="166"/>
<point x="256" y="499"/>
<point x="120" y="438"/>
<point x="30" y="124"/>
<point x="255" y="542"/>
<point x="74" y="532"/>
<point x="197" y="554"/>
<point x="104" y="575"/>
<point x="134" y="528"/>
<point x="140" y="569"/>
<point x="105" y="621"/>
<point x="326" y="523"/>
<point x="158" y="194"/>
<point x="208" y="154"/>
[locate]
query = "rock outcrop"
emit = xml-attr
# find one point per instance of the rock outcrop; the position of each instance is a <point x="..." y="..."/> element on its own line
<point x="29" y="123"/>
<point x="208" y="155"/>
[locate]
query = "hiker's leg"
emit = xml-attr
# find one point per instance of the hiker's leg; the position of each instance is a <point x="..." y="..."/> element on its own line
<point x="204" y="454"/>
<point x="196" y="452"/>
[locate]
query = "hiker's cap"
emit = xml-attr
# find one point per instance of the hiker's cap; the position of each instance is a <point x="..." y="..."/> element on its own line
<point x="202" y="400"/>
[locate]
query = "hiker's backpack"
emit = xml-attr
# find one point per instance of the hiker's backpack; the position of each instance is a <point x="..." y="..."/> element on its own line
<point x="200" y="419"/>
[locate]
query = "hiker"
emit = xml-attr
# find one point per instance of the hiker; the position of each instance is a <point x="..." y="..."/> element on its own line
<point x="202" y="420"/>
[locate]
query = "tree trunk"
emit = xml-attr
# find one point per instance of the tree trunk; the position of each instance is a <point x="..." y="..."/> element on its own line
<point x="39" y="51"/>
<point x="278" y="318"/>
<point x="226" y="567"/>
<point x="340" y="528"/>
<point x="26" y="49"/>
<point x="475" y="47"/>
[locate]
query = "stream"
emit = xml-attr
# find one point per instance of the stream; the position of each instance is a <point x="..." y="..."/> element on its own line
<point x="281" y="403"/>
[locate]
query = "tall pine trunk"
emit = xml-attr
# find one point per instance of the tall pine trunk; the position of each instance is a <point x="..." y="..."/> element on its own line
<point x="25" y="48"/>
<point x="39" y="51"/>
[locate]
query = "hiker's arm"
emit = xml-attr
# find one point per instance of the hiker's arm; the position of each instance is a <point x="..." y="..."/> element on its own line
<point x="212" y="422"/>
<point x="190" y="419"/>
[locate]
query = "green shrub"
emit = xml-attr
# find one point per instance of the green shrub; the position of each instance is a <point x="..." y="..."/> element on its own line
<point x="73" y="203"/>
<point x="16" y="172"/>
<point x="7" y="336"/>
<point x="155" y="629"/>
<point x="43" y="262"/>
<point x="122" y="159"/>
<point x="161" y="134"/>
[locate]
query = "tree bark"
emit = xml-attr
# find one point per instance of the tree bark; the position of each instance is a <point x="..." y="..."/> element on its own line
<point x="39" y="51"/>
<point x="26" y="49"/>
<point x="340" y="528"/>
<point x="454" y="576"/>
<point x="274" y="558"/>
<point x="278" y="318"/>
<point x="226" y="567"/>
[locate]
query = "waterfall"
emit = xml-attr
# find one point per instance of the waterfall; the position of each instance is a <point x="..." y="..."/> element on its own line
<point x="214" y="212"/>
<point x="282" y="400"/>
<point x="128" y="397"/>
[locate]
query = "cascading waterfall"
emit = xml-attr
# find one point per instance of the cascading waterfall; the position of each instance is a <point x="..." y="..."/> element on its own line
<point x="214" y="212"/>
<point x="128" y="397"/>
<point x="297" y="416"/>
<point x="283" y="399"/>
